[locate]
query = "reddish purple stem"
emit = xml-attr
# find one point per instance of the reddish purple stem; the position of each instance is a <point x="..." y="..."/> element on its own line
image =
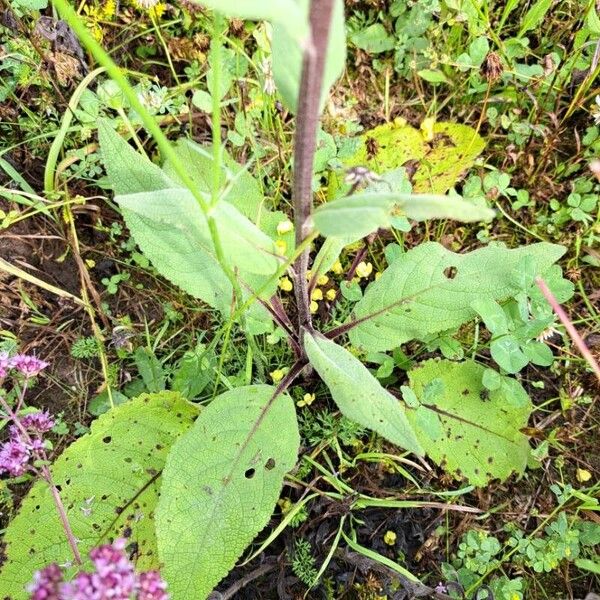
<point x="566" y="321"/>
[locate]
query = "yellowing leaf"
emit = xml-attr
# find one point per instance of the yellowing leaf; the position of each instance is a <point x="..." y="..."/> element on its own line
<point x="470" y="431"/>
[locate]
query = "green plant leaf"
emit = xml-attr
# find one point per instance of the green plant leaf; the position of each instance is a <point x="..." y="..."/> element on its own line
<point x="168" y="225"/>
<point x="507" y="353"/>
<point x="286" y="12"/>
<point x="287" y="56"/>
<point x="353" y="217"/>
<point x="240" y="188"/>
<point x="439" y="162"/>
<point x="534" y="16"/>
<point x="329" y="252"/>
<point x="128" y="171"/>
<point x="358" y="394"/>
<point x="432" y="76"/>
<point x="150" y="369"/>
<point x="195" y="371"/>
<point x="470" y="431"/>
<point x="538" y="353"/>
<point x="360" y="214"/>
<point x="109" y="481"/>
<point x="430" y="289"/>
<point x="245" y="247"/>
<point x="492" y="314"/>
<point x="373" y="39"/>
<point x="221" y="483"/>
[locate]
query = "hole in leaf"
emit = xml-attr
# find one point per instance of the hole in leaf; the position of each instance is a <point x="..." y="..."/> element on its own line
<point x="270" y="465"/>
<point x="107" y="439"/>
<point x="450" y="272"/>
<point x="249" y="474"/>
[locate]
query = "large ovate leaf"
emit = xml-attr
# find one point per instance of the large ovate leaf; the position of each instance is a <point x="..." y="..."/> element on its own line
<point x="168" y="225"/>
<point x="245" y="246"/>
<point x="470" y="431"/>
<point x="220" y="486"/>
<point x="430" y="289"/>
<point x="109" y="481"/>
<point x="288" y="54"/>
<point x="360" y="214"/>
<point x="128" y="172"/>
<point x="438" y="164"/>
<point x="241" y="188"/>
<point x="358" y="394"/>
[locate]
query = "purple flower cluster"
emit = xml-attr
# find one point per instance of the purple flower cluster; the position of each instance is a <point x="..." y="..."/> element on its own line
<point x="113" y="578"/>
<point x="25" y="441"/>
<point x="26" y="364"/>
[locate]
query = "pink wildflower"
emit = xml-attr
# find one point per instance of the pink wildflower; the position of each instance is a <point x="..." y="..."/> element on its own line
<point x="46" y="583"/>
<point x="28" y="365"/>
<point x="151" y="587"/>
<point x="113" y="579"/>
<point x="14" y="456"/>
<point x="38" y="422"/>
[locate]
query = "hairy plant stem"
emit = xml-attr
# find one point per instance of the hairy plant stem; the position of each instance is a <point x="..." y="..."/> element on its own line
<point x="307" y="121"/>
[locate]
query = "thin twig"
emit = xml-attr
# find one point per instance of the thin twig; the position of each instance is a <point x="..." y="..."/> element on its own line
<point x="566" y="321"/>
<point x="240" y="584"/>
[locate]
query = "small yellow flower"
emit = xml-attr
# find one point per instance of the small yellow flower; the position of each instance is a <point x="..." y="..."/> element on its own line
<point x="281" y="247"/>
<point x="308" y="274"/>
<point x="285" y="227"/>
<point x="583" y="475"/>
<point x="285" y="504"/>
<point x="331" y="295"/>
<point x="389" y="538"/>
<point x="322" y="280"/>
<point x="314" y="307"/>
<point x="337" y="267"/>
<point x="285" y="284"/>
<point x="317" y="294"/>
<point x="307" y="400"/>
<point x="109" y="9"/>
<point x="91" y="263"/>
<point x="427" y="128"/>
<point x="278" y="374"/>
<point x="378" y="275"/>
<point x="364" y="269"/>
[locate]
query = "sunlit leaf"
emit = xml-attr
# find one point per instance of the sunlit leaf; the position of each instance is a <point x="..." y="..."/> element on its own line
<point x="221" y="483"/>
<point x="109" y="481"/>
<point x="358" y="394"/>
